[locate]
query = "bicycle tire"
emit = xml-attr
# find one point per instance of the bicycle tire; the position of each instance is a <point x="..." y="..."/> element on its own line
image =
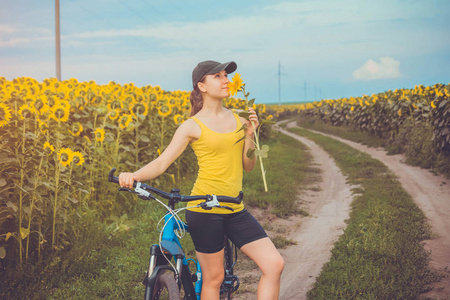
<point x="228" y="255"/>
<point x="228" y="262"/>
<point x="166" y="288"/>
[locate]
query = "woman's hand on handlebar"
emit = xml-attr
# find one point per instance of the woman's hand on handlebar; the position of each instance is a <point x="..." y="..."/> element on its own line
<point x="126" y="179"/>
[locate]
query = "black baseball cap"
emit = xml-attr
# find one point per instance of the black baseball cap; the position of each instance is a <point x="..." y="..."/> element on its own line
<point x="209" y="67"/>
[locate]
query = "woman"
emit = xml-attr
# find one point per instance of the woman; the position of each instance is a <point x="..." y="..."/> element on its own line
<point x="212" y="133"/>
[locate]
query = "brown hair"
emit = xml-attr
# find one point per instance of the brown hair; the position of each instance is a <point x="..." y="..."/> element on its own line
<point x="196" y="99"/>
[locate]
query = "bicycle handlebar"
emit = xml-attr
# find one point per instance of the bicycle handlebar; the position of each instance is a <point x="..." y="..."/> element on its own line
<point x="174" y="195"/>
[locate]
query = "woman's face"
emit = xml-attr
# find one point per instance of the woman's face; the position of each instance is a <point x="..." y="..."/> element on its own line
<point x="216" y="85"/>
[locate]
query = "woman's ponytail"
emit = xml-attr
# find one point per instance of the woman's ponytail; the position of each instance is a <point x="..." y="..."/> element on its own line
<point x="196" y="101"/>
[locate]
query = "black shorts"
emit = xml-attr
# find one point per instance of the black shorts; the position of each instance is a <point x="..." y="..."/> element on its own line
<point x="208" y="230"/>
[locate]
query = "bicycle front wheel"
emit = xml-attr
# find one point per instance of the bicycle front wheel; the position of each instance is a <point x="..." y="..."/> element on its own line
<point x="166" y="288"/>
<point x="227" y="264"/>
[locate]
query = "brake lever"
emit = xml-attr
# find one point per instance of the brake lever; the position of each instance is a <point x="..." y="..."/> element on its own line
<point x="227" y="207"/>
<point x="213" y="203"/>
<point x="143" y="194"/>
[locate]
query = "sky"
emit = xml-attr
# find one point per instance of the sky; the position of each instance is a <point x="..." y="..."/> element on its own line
<point x="286" y="51"/>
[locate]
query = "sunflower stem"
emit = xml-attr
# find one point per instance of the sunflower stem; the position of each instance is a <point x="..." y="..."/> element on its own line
<point x="263" y="172"/>
<point x="256" y="134"/>
<point x="33" y="201"/>
<point x="22" y="175"/>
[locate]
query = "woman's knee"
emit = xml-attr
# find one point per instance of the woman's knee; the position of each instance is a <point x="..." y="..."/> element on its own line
<point x="279" y="264"/>
<point x="274" y="266"/>
<point x="213" y="280"/>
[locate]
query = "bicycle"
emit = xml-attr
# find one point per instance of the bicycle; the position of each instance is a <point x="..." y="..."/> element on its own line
<point x="159" y="281"/>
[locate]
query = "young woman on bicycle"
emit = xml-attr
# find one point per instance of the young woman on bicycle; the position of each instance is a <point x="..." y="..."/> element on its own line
<point x="212" y="133"/>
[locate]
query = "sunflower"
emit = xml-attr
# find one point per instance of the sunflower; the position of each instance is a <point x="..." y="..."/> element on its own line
<point x="99" y="135"/>
<point x="51" y="101"/>
<point x="64" y="103"/>
<point x="140" y="97"/>
<point x="78" y="158"/>
<point x="42" y="104"/>
<point x="139" y="108"/>
<point x="77" y="128"/>
<point x="165" y="110"/>
<point x="26" y="111"/>
<point x="65" y="156"/>
<point x="173" y="101"/>
<point x="114" y="104"/>
<point x="128" y="99"/>
<point x="236" y="84"/>
<point x="262" y="108"/>
<point x="153" y="97"/>
<point x="178" y="119"/>
<point x="125" y="121"/>
<point x="60" y="113"/>
<point x="43" y="126"/>
<point x="5" y="114"/>
<point x="39" y="105"/>
<point x="49" y="146"/>
<point x="114" y="114"/>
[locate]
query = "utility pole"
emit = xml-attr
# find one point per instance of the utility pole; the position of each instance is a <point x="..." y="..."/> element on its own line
<point x="305" y="90"/>
<point x="57" y="41"/>
<point x="279" y="83"/>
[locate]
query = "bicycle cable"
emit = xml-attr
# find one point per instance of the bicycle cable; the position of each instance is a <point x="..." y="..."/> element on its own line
<point x="180" y="232"/>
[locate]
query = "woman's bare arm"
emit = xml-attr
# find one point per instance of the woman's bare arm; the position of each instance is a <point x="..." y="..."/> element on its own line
<point x="186" y="133"/>
<point x="248" y="163"/>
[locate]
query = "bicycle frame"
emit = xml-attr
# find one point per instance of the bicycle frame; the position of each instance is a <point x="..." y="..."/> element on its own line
<point x="172" y="248"/>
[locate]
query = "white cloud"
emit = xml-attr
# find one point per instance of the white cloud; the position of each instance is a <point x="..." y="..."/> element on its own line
<point x="12" y="35"/>
<point x="388" y="67"/>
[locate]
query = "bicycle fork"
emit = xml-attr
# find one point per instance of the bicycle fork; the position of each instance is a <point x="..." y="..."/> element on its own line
<point x="160" y="257"/>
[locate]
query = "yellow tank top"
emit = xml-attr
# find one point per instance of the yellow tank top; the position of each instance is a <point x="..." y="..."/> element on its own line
<point x="220" y="166"/>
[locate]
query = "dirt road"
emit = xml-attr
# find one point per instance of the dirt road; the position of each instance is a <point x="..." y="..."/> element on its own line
<point x="328" y="206"/>
<point x="432" y="194"/>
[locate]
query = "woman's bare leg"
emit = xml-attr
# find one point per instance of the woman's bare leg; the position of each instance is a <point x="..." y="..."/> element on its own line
<point x="212" y="274"/>
<point x="269" y="260"/>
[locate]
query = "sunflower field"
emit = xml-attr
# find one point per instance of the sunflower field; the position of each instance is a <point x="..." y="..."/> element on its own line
<point x="59" y="139"/>
<point x="412" y="121"/>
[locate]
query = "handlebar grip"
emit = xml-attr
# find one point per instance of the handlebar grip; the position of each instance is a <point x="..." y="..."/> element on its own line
<point x="115" y="179"/>
<point x="111" y="177"/>
<point x="236" y="200"/>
